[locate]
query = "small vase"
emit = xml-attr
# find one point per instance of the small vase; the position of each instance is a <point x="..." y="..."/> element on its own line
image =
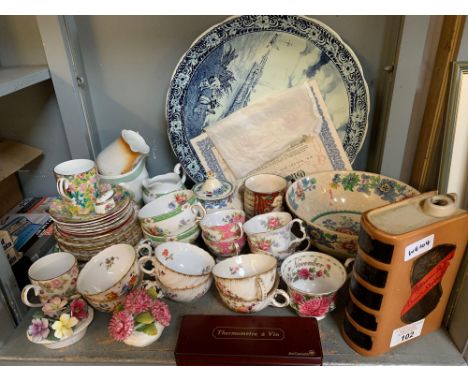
<point x="140" y="339"/>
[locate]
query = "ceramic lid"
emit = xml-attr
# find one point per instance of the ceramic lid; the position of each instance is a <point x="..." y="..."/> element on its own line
<point x="213" y="188"/>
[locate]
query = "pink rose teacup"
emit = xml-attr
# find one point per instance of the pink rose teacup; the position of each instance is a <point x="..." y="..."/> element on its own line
<point x="313" y="279"/>
<point x="225" y="248"/>
<point x="223" y="225"/>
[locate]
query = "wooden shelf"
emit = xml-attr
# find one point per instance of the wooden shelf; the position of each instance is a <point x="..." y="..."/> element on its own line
<point x="20" y="77"/>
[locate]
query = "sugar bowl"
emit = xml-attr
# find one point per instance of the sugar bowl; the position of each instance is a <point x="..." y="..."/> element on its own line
<point x="214" y="193"/>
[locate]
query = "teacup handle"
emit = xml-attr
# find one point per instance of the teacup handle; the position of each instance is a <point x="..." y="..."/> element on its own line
<point x="24" y="295"/>
<point x="146" y="246"/>
<point x="199" y="211"/>
<point x="236" y="248"/>
<point x="277" y="304"/>
<point x="294" y="243"/>
<point x="157" y="285"/>
<point x="142" y="261"/>
<point x="180" y="171"/>
<point x="62" y="185"/>
<point x="241" y="229"/>
<point x="261" y="286"/>
<point x="347" y="264"/>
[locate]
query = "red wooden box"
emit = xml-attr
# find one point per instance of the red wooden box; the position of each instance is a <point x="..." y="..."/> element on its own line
<point x="248" y="340"/>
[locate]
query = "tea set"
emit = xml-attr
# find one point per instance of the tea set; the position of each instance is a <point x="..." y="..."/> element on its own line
<point x="98" y="220"/>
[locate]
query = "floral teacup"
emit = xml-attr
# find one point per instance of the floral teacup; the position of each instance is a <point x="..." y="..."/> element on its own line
<point x="241" y="306"/>
<point x="225" y="248"/>
<point x="185" y="294"/>
<point x="179" y="265"/>
<point x="109" y="276"/>
<point x="77" y="184"/>
<point x="246" y="277"/>
<point x="188" y="236"/>
<point x="52" y="275"/>
<point x="313" y="279"/>
<point x="271" y="233"/>
<point x="171" y="214"/>
<point x="223" y="225"/>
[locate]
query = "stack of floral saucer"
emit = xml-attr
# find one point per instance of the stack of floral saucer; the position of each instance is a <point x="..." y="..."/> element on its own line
<point x="86" y="235"/>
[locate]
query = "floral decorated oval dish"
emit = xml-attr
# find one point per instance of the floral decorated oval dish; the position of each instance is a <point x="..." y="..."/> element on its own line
<point x="331" y="204"/>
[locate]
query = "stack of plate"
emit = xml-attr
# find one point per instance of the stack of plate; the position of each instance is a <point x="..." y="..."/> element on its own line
<point x="86" y="235"/>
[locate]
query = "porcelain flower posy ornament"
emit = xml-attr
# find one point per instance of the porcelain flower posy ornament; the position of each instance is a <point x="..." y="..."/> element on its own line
<point x="141" y="319"/>
<point x="61" y="322"/>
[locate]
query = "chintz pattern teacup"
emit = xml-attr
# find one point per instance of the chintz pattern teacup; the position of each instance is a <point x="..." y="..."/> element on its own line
<point x="171" y="214"/>
<point x="246" y="277"/>
<point x="179" y="265"/>
<point x="77" y="184"/>
<point x="225" y="248"/>
<point x="272" y="233"/>
<point x="264" y="193"/>
<point x="51" y="275"/>
<point x="223" y="225"/>
<point x="109" y="276"/>
<point x="313" y="279"/>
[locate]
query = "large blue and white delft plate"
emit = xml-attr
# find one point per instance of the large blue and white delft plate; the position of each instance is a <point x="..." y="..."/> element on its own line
<point x="245" y="58"/>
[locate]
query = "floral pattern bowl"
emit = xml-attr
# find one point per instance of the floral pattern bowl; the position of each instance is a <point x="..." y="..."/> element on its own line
<point x="109" y="276"/>
<point x="331" y="204"/>
<point x="313" y="279"/>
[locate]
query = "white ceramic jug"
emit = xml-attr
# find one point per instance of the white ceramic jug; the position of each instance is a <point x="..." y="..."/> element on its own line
<point x="122" y="155"/>
<point x="131" y="181"/>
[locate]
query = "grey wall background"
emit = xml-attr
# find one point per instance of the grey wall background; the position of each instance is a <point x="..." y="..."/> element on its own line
<point x="129" y="61"/>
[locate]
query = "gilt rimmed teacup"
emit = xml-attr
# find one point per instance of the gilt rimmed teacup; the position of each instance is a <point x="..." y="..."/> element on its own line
<point x="109" y="276"/>
<point x="223" y="224"/>
<point x="179" y="265"/>
<point x="188" y="236"/>
<point x="264" y="193"/>
<point x="241" y="306"/>
<point x="171" y="214"/>
<point x="77" y="184"/>
<point x="272" y="233"/>
<point x="246" y="277"/>
<point x="52" y="275"/>
<point x="185" y="294"/>
<point x="313" y="279"/>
